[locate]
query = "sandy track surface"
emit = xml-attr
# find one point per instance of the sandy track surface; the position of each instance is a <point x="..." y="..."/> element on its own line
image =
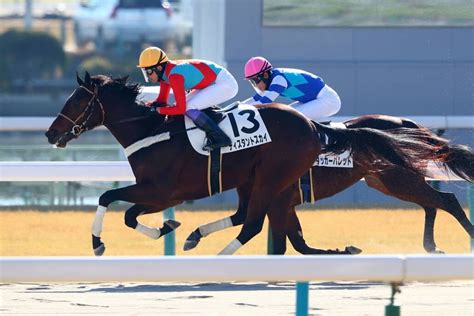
<point x="326" y="298"/>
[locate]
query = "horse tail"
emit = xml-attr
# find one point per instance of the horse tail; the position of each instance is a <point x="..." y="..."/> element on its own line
<point x="457" y="158"/>
<point x="408" y="148"/>
<point x="460" y="160"/>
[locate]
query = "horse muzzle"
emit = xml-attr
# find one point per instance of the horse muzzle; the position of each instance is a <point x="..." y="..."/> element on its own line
<point x="57" y="139"/>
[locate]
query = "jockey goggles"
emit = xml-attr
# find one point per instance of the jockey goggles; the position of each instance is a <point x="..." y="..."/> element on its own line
<point x="147" y="72"/>
<point x="254" y="81"/>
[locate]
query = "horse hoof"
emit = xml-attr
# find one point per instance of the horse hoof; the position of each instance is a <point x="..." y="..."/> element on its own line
<point x="190" y="244"/>
<point x="192" y="241"/>
<point x="171" y="223"/>
<point x="437" y="251"/>
<point x="99" y="251"/>
<point x="353" y="250"/>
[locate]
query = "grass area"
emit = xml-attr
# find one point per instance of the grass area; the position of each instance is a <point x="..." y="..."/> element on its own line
<point x="368" y="13"/>
<point x="377" y="231"/>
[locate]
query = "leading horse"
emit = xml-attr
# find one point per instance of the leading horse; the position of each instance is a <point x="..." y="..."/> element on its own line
<point x="170" y="172"/>
<point x="397" y="181"/>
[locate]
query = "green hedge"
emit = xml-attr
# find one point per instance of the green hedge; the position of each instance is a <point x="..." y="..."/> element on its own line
<point x="27" y="55"/>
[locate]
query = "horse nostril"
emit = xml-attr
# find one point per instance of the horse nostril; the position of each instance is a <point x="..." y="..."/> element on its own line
<point x="50" y="135"/>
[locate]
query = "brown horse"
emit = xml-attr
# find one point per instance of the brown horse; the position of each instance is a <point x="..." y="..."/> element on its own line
<point x="398" y="182"/>
<point x="170" y="172"/>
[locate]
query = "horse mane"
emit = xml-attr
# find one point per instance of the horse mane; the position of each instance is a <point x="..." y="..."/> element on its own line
<point x="120" y="86"/>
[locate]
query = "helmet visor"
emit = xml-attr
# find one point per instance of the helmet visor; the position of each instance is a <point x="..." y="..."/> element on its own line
<point x="147" y="72"/>
<point x="144" y="73"/>
<point x="254" y="81"/>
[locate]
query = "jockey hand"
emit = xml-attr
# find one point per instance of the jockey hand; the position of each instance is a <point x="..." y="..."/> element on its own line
<point x="156" y="104"/>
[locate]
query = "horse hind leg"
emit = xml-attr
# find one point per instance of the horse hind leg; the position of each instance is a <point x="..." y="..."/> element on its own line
<point x="236" y="219"/>
<point x="295" y="235"/>
<point x="205" y="230"/>
<point x="429" y="243"/>
<point x="408" y="186"/>
<point x="259" y="203"/>
<point x="277" y="220"/>
<point x="451" y="205"/>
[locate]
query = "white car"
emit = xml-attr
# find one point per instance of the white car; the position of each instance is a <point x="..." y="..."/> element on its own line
<point x="106" y="22"/>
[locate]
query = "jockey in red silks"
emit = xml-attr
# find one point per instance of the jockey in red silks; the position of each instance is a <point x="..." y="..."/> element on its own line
<point x="313" y="97"/>
<point x="210" y="83"/>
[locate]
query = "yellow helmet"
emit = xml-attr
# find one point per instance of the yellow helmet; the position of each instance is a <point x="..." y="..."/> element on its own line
<point x="151" y="56"/>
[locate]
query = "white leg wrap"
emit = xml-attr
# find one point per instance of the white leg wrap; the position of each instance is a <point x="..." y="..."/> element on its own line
<point x="231" y="248"/>
<point x="99" y="218"/>
<point x="215" y="226"/>
<point x="153" y="233"/>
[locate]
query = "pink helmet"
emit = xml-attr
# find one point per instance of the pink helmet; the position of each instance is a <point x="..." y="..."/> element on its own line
<point x="256" y="66"/>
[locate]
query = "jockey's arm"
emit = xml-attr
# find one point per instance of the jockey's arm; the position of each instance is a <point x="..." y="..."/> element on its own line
<point x="277" y="86"/>
<point x="164" y="93"/>
<point x="177" y="84"/>
<point x="248" y="101"/>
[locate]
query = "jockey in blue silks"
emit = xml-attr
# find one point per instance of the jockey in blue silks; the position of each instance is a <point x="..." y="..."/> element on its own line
<point x="312" y="96"/>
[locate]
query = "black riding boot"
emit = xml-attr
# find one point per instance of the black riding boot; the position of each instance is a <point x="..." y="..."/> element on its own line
<point x="215" y="136"/>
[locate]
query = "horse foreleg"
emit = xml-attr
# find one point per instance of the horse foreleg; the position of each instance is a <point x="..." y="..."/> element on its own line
<point x="136" y="210"/>
<point x="137" y="194"/>
<point x="237" y="219"/>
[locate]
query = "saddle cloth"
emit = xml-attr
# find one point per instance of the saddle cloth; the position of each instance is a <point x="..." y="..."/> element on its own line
<point x="342" y="160"/>
<point x="242" y="123"/>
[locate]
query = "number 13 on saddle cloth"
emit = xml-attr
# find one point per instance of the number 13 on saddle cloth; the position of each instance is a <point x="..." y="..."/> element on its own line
<point x="242" y="123"/>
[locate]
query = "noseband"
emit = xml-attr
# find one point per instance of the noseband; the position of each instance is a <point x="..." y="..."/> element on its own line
<point x="78" y="129"/>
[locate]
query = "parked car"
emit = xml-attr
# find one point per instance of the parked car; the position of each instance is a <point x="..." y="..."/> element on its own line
<point x="107" y="22"/>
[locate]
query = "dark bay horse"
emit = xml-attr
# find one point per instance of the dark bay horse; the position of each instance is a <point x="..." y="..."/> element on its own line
<point x="170" y="172"/>
<point x="397" y="181"/>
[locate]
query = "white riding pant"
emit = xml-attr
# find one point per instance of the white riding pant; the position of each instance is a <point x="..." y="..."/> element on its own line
<point x="223" y="89"/>
<point x="326" y="104"/>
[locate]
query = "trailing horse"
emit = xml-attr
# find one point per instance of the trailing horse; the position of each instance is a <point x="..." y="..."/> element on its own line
<point x="169" y="172"/>
<point x="397" y="181"/>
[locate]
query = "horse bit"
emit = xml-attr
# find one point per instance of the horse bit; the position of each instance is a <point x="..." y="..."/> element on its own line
<point x="78" y="129"/>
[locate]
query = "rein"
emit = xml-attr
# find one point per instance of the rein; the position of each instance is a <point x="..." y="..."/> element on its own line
<point x="77" y="129"/>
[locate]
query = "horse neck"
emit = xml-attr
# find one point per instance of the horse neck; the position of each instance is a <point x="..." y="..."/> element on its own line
<point x="129" y="132"/>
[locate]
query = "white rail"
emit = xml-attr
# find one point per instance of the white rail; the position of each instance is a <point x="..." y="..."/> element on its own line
<point x="103" y="171"/>
<point x="66" y="171"/>
<point x="29" y="123"/>
<point x="388" y="268"/>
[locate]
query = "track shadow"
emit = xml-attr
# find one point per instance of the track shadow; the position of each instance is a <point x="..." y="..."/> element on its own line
<point x="201" y="287"/>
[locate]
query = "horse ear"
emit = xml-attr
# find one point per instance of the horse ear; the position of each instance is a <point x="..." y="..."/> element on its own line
<point x="123" y="79"/>
<point x="87" y="78"/>
<point x="79" y="80"/>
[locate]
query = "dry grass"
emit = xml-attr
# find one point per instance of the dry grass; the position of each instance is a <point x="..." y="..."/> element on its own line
<point x="32" y="233"/>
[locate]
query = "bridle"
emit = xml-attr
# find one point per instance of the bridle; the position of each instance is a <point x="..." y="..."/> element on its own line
<point x="78" y="129"/>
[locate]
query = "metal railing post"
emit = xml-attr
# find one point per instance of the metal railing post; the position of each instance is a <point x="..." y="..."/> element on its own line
<point x="170" y="239"/>
<point x="302" y="298"/>
<point x="270" y="241"/>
